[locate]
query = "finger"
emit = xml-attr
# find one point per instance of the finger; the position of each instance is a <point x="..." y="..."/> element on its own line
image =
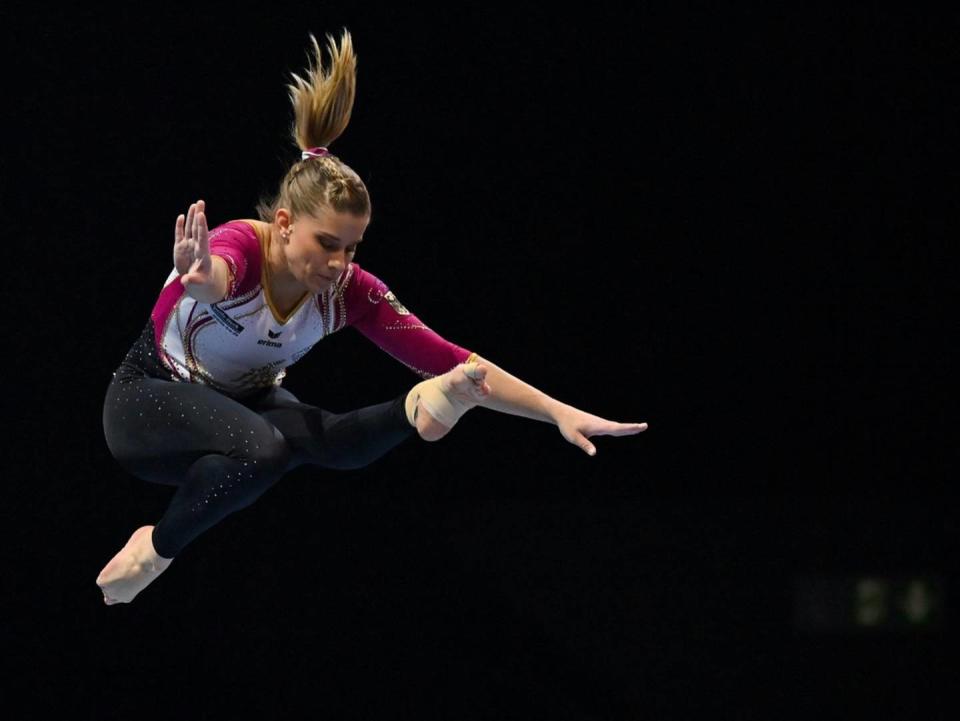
<point x="197" y="212"/>
<point x="202" y="239"/>
<point x="585" y="445"/>
<point x="480" y="390"/>
<point x="189" y="223"/>
<point x="620" y="429"/>
<point x="178" y="229"/>
<point x="191" y="276"/>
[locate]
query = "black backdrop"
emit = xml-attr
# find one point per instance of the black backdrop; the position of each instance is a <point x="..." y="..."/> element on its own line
<point x="728" y="224"/>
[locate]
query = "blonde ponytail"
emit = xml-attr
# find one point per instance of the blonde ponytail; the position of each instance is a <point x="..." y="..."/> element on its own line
<point x="322" y="105"/>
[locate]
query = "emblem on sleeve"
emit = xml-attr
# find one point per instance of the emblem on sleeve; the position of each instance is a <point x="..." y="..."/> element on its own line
<point x="395" y="304"/>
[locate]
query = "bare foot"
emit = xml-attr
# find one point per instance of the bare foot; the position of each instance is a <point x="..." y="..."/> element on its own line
<point x="464" y="387"/>
<point x="134" y="567"/>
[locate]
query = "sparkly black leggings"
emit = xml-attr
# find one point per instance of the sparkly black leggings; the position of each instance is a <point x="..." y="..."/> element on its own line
<point x="225" y="453"/>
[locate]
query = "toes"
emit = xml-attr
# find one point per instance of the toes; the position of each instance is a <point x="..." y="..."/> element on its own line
<point x="474" y="371"/>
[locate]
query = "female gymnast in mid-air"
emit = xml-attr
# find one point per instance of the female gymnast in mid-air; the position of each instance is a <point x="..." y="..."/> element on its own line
<point x="197" y="402"/>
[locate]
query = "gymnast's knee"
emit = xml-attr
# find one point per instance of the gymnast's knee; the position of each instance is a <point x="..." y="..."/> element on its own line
<point x="270" y="452"/>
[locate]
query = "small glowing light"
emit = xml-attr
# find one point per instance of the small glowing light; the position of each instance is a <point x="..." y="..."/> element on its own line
<point x="871" y="601"/>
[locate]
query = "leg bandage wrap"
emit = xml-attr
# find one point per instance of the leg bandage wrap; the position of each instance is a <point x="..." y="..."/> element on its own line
<point x="439" y="399"/>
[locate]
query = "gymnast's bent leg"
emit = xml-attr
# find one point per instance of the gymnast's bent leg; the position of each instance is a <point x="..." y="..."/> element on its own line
<point x="220" y="454"/>
<point x="342" y="441"/>
<point x="357" y="438"/>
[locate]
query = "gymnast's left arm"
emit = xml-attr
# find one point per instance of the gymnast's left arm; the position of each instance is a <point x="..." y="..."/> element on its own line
<point x="509" y="394"/>
<point x="377" y="313"/>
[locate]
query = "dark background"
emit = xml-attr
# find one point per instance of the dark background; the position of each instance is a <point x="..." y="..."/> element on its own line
<point x="729" y="224"/>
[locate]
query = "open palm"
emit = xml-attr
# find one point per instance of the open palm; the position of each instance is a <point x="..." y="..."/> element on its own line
<point x="191" y="247"/>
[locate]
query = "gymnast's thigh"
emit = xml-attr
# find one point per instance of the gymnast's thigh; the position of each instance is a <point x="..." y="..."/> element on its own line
<point x="301" y="424"/>
<point x="156" y="429"/>
<point x="341" y="441"/>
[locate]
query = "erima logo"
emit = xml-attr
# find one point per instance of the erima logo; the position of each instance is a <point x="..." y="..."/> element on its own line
<point x="274" y="335"/>
<point x="272" y="344"/>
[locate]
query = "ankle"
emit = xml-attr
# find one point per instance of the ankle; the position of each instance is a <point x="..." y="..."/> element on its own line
<point x="152" y="557"/>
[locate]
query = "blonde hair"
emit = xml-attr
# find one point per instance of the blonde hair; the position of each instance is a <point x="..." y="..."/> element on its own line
<point x="322" y="105"/>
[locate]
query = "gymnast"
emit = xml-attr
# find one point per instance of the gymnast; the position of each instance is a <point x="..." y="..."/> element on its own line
<point x="197" y="403"/>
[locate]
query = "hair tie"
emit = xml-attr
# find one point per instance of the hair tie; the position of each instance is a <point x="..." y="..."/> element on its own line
<point x="318" y="152"/>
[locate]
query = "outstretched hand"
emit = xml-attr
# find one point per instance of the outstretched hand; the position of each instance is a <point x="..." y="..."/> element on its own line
<point x="577" y="426"/>
<point x="191" y="247"/>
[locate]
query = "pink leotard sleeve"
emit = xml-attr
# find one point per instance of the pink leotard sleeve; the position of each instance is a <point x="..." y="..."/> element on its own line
<point x="375" y="311"/>
<point x="237" y="244"/>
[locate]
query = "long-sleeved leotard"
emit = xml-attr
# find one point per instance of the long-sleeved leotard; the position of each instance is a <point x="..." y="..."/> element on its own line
<point x="244" y="343"/>
<point x="198" y="403"/>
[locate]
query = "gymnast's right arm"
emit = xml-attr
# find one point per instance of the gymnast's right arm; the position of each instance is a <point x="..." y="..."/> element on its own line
<point x="204" y="277"/>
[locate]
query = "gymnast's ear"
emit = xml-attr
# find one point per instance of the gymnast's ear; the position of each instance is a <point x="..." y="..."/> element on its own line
<point x="283" y="218"/>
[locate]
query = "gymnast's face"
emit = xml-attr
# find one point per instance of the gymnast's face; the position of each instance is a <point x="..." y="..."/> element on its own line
<point x="318" y="248"/>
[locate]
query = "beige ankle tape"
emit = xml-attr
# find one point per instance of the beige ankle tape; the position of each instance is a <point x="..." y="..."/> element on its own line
<point x="435" y="396"/>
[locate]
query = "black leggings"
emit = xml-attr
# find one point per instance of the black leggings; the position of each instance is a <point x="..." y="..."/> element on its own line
<point x="225" y="453"/>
